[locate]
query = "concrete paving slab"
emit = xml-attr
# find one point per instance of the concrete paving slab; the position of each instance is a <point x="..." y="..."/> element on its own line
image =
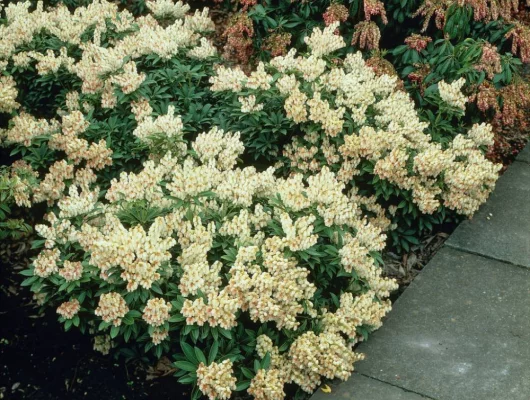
<point x="461" y="331"/>
<point x="360" y="387"/>
<point x="501" y="228"/>
<point x="524" y="155"/>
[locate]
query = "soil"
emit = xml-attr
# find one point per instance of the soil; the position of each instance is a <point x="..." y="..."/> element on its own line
<point x="404" y="268"/>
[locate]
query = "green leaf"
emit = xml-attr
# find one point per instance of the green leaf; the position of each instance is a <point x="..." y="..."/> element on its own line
<point x="195" y="334"/>
<point x="213" y="352"/>
<point x="134" y="314"/>
<point x="114" y="331"/>
<point x="247" y="373"/>
<point x="127" y="334"/>
<point x="29" y="281"/>
<point x="196" y="393"/>
<point x="266" y="362"/>
<point x="189" y="353"/>
<point x="243" y="385"/>
<point x="200" y="355"/>
<point x="158" y="351"/>
<point x="185" y="365"/>
<point x="188" y="379"/>
<point x="81" y="297"/>
<point x="177" y="318"/>
<point x="226" y="333"/>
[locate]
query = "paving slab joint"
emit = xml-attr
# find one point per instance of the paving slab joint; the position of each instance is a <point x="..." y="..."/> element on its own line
<point x="399" y="387"/>
<point x="476" y="253"/>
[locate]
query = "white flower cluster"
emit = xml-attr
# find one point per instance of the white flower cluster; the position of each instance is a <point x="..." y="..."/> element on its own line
<point x="168" y="9"/>
<point x="25" y="128"/>
<point x="354" y="312"/>
<point x="76" y="204"/>
<point x="310" y="357"/>
<point x="103" y="344"/>
<point x="63" y="136"/>
<point x="323" y="42"/>
<point x="205" y="50"/>
<point x="218" y="147"/>
<point x="156" y="314"/>
<point x="112" y="308"/>
<point x="169" y="124"/>
<point x="8" y="94"/>
<point x="216" y="380"/>
<point x="452" y="93"/>
<point x="143" y="185"/>
<point x="59" y="231"/>
<point x="248" y="104"/>
<point x="326" y="354"/>
<point x="138" y="254"/>
<point x="267" y="385"/>
<point x="46" y="262"/>
<point x="481" y="134"/>
<point x="69" y="309"/>
<point x="71" y="271"/>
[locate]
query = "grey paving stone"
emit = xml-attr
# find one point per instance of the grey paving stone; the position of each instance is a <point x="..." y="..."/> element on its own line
<point x="501" y="228"/>
<point x="360" y="387"/>
<point x="461" y="331"/>
<point x="524" y="155"/>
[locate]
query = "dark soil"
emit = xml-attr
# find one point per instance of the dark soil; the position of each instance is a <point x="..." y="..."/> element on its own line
<point x="405" y="267"/>
<point x="39" y="361"/>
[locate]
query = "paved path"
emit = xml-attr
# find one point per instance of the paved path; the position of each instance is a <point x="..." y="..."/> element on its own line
<point x="461" y="330"/>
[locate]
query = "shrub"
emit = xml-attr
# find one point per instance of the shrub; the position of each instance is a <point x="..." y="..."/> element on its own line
<point x="195" y="255"/>
<point x="163" y="236"/>
<point x="408" y="174"/>
<point x="427" y="42"/>
<point x="155" y="239"/>
<point x="98" y="77"/>
<point x="266" y="133"/>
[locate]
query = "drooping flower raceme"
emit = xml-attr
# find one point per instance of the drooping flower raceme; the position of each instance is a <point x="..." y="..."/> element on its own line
<point x="452" y="93"/>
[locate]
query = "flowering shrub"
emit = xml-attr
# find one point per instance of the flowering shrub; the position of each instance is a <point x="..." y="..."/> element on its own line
<point x="243" y="266"/>
<point x="427" y="41"/>
<point x="101" y="75"/>
<point x="360" y="126"/>
<point x="160" y="235"/>
<point x="154" y="238"/>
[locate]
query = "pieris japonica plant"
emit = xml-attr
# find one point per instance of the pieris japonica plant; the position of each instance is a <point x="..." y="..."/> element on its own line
<point x="154" y="238"/>
<point x="74" y="85"/>
<point x="360" y="125"/>
<point x="424" y="42"/>
<point x="254" y="281"/>
<point x="158" y="238"/>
